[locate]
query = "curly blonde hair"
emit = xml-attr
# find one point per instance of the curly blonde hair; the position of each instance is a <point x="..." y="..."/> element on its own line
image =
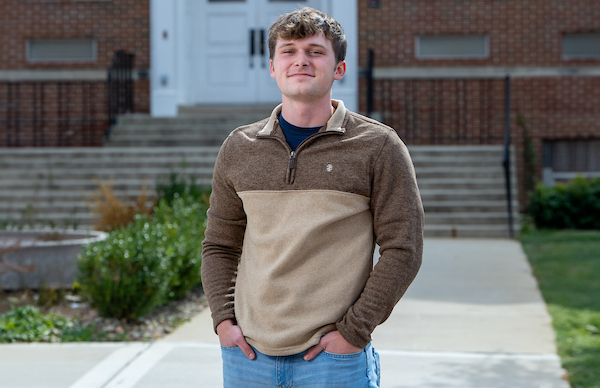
<point x="307" y="22"/>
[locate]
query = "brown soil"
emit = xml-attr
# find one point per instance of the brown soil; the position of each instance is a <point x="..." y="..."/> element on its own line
<point x="160" y="322"/>
<point x="47" y="301"/>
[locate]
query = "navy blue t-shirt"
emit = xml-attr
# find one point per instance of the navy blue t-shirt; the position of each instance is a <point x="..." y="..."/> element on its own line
<point x="295" y="135"/>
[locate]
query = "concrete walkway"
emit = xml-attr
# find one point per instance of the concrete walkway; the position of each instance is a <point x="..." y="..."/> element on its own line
<point x="474" y="317"/>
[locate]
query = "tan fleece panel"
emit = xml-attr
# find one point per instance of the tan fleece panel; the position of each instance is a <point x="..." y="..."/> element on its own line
<point x="307" y="257"/>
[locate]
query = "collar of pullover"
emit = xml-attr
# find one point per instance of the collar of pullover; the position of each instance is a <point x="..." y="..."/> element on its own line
<point x="333" y="125"/>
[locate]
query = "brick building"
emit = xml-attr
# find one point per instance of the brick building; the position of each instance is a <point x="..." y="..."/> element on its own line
<point x="438" y="78"/>
<point x="54" y="56"/>
<point x="451" y="57"/>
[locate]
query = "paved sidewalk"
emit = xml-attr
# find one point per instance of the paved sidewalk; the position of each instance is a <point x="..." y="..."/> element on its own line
<point x="473" y="318"/>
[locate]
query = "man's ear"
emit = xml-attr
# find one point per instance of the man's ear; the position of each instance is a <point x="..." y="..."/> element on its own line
<point x="271" y="68"/>
<point x="340" y="70"/>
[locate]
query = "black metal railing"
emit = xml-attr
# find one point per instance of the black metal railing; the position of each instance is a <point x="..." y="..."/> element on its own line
<point x="439" y="110"/>
<point x="444" y="111"/>
<point x="119" y="87"/>
<point x="506" y="156"/>
<point x="368" y="73"/>
<point x="52" y="113"/>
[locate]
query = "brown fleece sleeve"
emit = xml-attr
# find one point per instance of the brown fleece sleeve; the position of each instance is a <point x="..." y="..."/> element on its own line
<point x="222" y="245"/>
<point x="398" y="227"/>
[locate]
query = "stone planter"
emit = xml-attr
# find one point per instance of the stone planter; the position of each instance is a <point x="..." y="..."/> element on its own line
<point x="41" y="258"/>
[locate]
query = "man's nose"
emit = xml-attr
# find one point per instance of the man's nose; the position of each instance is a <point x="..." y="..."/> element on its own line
<point x="301" y="59"/>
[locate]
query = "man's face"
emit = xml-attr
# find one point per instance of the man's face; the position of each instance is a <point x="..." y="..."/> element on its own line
<point x="306" y="68"/>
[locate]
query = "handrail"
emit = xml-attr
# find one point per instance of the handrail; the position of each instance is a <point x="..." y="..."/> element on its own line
<point x="119" y="87"/>
<point x="52" y="113"/>
<point x="506" y="156"/>
<point x="369" y="76"/>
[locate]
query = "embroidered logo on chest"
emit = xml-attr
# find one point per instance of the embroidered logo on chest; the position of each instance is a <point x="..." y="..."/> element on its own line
<point x="329" y="167"/>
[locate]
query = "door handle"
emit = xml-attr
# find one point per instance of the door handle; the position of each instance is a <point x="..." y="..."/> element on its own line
<point x="252" y="48"/>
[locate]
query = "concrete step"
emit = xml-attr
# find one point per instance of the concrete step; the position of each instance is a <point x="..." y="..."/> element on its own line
<point x="171" y="132"/>
<point x="14" y="158"/>
<point x="85" y="152"/>
<point x="453" y="149"/>
<point x="208" y="117"/>
<point x="69" y="185"/>
<point x="442" y="183"/>
<point x="462" y="187"/>
<point x="462" y="195"/>
<point x="196" y="110"/>
<point x="467" y="206"/>
<point x="477" y="231"/>
<point x="209" y="128"/>
<point x="464" y="219"/>
<point x="75" y="194"/>
<point x="152" y="141"/>
<point x="111" y="162"/>
<point x="103" y="173"/>
<point x="471" y="174"/>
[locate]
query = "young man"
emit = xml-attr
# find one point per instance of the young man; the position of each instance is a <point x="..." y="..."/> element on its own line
<point x="299" y="201"/>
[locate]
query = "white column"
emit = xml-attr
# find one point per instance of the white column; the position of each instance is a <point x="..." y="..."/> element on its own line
<point x="163" y="58"/>
<point x="186" y="19"/>
<point x="346" y="13"/>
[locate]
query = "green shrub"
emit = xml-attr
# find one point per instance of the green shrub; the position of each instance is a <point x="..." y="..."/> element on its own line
<point x="178" y="186"/>
<point x="186" y="222"/>
<point x="28" y="324"/>
<point x="147" y="263"/>
<point x="575" y="205"/>
<point x="125" y="276"/>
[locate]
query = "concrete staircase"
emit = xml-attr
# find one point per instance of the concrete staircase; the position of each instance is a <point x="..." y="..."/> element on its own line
<point x="462" y="187"/>
<point x="50" y="187"/>
<point x="195" y="126"/>
<point x="463" y="190"/>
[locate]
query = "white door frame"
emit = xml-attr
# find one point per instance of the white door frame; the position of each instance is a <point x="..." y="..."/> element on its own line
<point x="172" y="34"/>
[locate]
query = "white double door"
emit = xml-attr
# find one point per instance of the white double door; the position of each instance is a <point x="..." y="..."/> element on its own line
<point x="231" y="52"/>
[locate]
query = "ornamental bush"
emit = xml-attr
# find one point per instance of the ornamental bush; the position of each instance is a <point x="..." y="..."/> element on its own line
<point x="575" y="205"/>
<point x="178" y="186"/>
<point x="146" y="263"/>
<point x="186" y="221"/>
<point x="28" y="324"/>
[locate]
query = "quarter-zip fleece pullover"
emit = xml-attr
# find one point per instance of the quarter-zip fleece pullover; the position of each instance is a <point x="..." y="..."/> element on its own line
<point x="288" y="252"/>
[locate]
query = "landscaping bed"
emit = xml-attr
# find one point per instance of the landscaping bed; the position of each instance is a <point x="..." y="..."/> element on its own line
<point x="78" y="321"/>
<point x="137" y="283"/>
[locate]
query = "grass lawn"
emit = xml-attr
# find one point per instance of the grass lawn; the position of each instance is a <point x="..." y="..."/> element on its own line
<point x="567" y="267"/>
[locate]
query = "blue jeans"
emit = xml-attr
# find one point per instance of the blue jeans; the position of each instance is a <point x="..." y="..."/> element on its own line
<point x="357" y="370"/>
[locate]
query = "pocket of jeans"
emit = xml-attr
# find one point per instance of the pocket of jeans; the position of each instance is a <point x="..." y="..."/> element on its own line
<point x="226" y="348"/>
<point x="349" y="356"/>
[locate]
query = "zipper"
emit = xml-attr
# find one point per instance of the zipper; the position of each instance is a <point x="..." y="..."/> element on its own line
<point x="292" y="167"/>
<point x="292" y="161"/>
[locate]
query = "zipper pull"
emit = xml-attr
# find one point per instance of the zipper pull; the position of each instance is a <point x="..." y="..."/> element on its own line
<point x="293" y="160"/>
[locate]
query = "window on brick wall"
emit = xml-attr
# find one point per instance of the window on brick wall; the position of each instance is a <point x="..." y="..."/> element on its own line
<point x="452" y="46"/>
<point x="564" y="159"/>
<point x="572" y="155"/>
<point x="61" y="50"/>
<point x="581" y="46"/>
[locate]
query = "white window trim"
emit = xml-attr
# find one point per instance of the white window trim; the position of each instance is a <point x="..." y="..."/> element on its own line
<point x="486" y="55"/>
<point x="576" y="56"/>
<point x="58" y="60"/>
